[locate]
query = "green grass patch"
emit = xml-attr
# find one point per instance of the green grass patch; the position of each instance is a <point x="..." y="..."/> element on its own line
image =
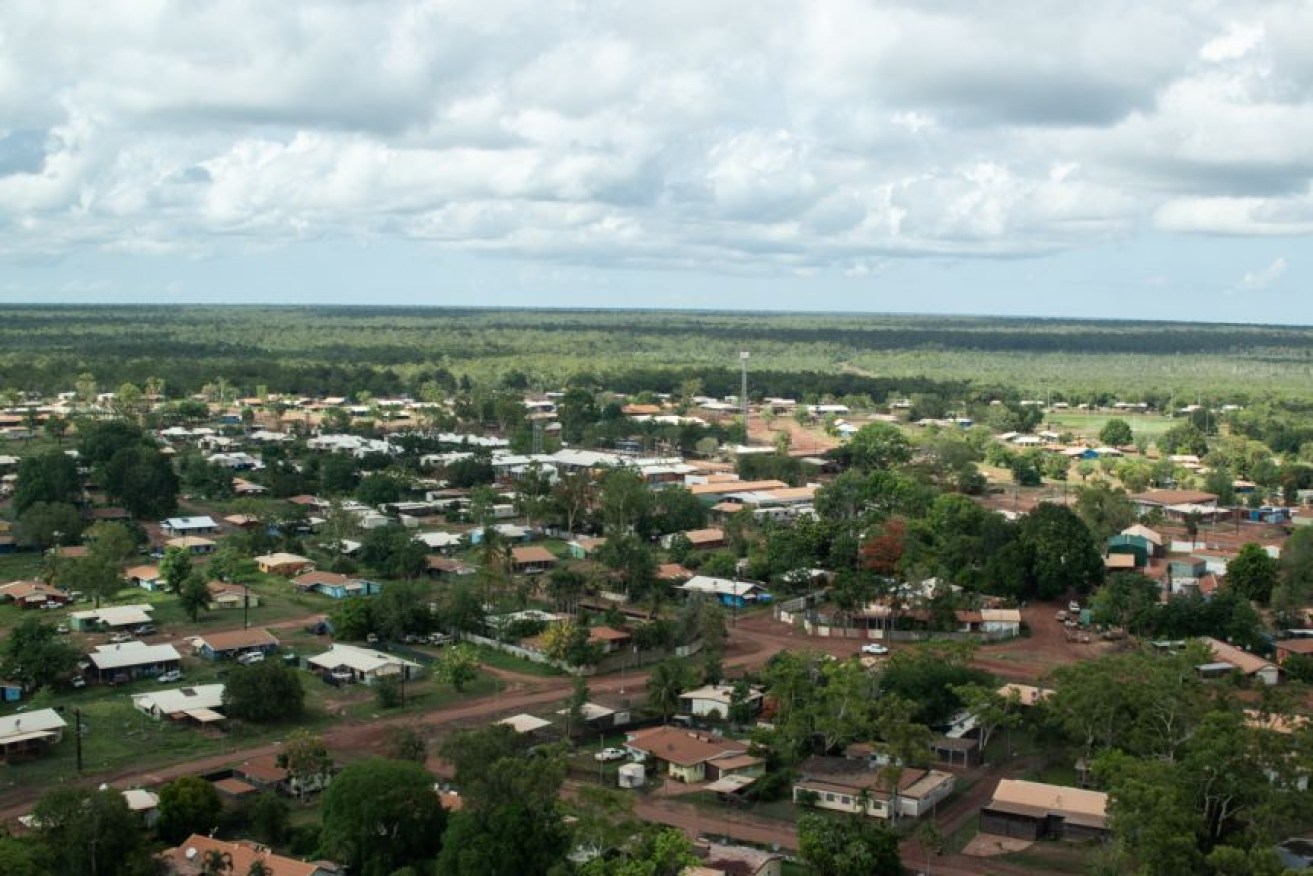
<point x="509" y="662"/>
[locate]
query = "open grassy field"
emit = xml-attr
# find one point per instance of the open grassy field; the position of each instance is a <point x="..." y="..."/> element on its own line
<point x="1088" y="425"/>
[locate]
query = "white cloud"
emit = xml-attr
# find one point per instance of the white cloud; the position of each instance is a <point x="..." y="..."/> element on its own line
<point x="772" y="135"/>
<point x="1254" y="281"/>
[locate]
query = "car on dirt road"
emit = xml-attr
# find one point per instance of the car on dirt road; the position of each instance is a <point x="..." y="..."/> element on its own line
<point x="875" y="648"/>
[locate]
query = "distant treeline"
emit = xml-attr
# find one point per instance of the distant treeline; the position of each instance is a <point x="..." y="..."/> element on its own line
<point x="390" y="350"/>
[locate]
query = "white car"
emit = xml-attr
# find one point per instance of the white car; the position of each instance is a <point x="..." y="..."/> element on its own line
<point x="609" y="754"/>
<point x="171" y="676"/>
<point x="875" y="648"/>
<point x="251" y="657"/>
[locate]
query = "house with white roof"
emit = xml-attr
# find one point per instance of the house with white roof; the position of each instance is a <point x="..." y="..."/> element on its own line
<point x="127" y="661"/>
<point x="29" y="733"/>
<point x="199" y="703"/>
<point x="732" y="593"/>
<point x="350" y="663"/>
<point x="176" y="526"/>
<point x="110" y="617"/>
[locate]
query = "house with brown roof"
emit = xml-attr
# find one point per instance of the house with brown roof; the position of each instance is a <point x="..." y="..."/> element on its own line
<point x="690" y="756"/>
<point x="32" y="594"/>
<point x="195" y="545"/>
<point x="845" y="785"/>
<point x="147" y="577"/>
<point x="1227" y="658"/>
<point x="700" y="539"/>
<point x="531" y="558"/>
<point x="225" y="596"/>
<point x="720" y="859"/>
<point x="234" y="643"/>
<point x="334" y="585"/>
<point x="1287" y="648"/>
<point x="284" y="564"/>
<point x="609" y="638"/>
<point x="1034" y="810"/>
<point x="192" y="858"/>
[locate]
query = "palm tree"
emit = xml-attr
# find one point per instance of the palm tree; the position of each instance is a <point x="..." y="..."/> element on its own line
<point x="216" y="862"/>
<point x="259" y="868"/>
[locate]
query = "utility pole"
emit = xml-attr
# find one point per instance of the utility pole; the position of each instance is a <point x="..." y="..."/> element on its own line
<point x="246" y="606"/>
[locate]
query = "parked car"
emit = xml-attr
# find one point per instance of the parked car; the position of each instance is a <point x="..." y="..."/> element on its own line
<point x="145" y="630"/>
<point x="371" y="639"/>
<point x="78" y="681"/>
<point x="171" y="676"/>
<point x="439" y="638"/>
<point x="609" y="754"/>
<point x="251" y="657"/>
<point x="119" y="638"/>
<point x="62" y="629"/>
<point x="875" y="648"/>
<point x="1073" y="607"/>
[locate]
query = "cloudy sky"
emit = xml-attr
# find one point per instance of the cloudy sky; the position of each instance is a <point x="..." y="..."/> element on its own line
<point x="1084" y="158"/>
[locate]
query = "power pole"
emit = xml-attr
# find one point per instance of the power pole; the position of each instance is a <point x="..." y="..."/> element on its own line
<point x="77" y="725"/>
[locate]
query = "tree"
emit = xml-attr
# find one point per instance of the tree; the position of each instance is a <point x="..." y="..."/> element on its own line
<point x="379" y="489"/>
<point x="458" y="666"/>
<point x="86" y="832"/>
<point x="1059" y="553"/>
<point x="1116" y="433"/>
<point x="668" y="680"/>
<point x="676" y="509"/>
<point x="112" y="542"/>
<point x="1105" y="510"/>
<point x="1128" y="600"/>
<point x="393" y="552"/>
<point x="626" y="502"/>
<point x="575" y="493"/>
<point x="36" y="656"/>
<point x="56" y="427"/>
<point x="50" y="477"/>
<point x="879" y="446"/>
<point x="195" y="596"/>
<point x="19" y="857"/>
<point x="90" y="575"/>
<point x="380" y="815"/>
<point x="1253" y="573"/>
<point x="307" y="761"/>
<point x="406" y="742"/>
<point x="574" y="706"/>
<point x="264" y="692"/>
<point x="856" y="846"/>
<point x="566" y="586"/>
<point x="142" y="480"/>
<point x="45" y="524"/>
<point x="993" y="710"/>
<point x="188" y="805"/>
<point x="270" y="818"/>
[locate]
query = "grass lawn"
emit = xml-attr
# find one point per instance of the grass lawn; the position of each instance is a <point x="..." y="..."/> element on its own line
<point x="1089" y="425"/>
<point x="509" y="662"/>
<point x="1053" y="857"/>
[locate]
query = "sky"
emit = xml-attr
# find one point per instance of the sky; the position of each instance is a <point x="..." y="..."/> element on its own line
<point x="1089" y="158"/>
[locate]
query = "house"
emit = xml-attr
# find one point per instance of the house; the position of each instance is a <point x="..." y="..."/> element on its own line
<point x="584" y="547"/>
<point x="1289" y="647"/>
<point x="439" y="566"/>
<point x="364" y="665"/>
<point x="111" y="617"/>
<point x="177" y="526"/>
<point x="525" y="724"/>
<point x="283" y="564"/>
<point x="199" y="703"/>
<point x="30" y="733"/>
<point x="128" y="661"/>
<point x="599" y="718"/>
<point x="719" y="859"/>
<point x="335" y="586"/>
<point x="1139" y="548"/>
<point x="32" y="594"/>
<point x="1178" y="504"/>
<point x="242" y="521"/>
<point x="143" y="804"/>
<point x="268" y="774"/>
<point x="224" y="596"/>
<point x="689" y="756"/>
<point x="714" y="700"/>
<point x="673" y="572"/>
<point x="532" y="558"/>
<point x="190" y="859"/>
<point x="1228" y="658"/>
<point x="735" y="594"/>
<point x="194" y="545"/>
<point x="234" y="643"/>
<point x="700" y="539"/>
<point x="146" y="577"/>
<point x="611" y="639"/>
<point x="1034" y="811"/>
<point x="842" y="784"/>
<point x="1152" y="537"/>
<point x="243" y="487"/>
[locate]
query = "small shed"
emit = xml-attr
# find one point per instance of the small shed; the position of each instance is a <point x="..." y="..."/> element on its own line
<point x="632" y="775"/>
